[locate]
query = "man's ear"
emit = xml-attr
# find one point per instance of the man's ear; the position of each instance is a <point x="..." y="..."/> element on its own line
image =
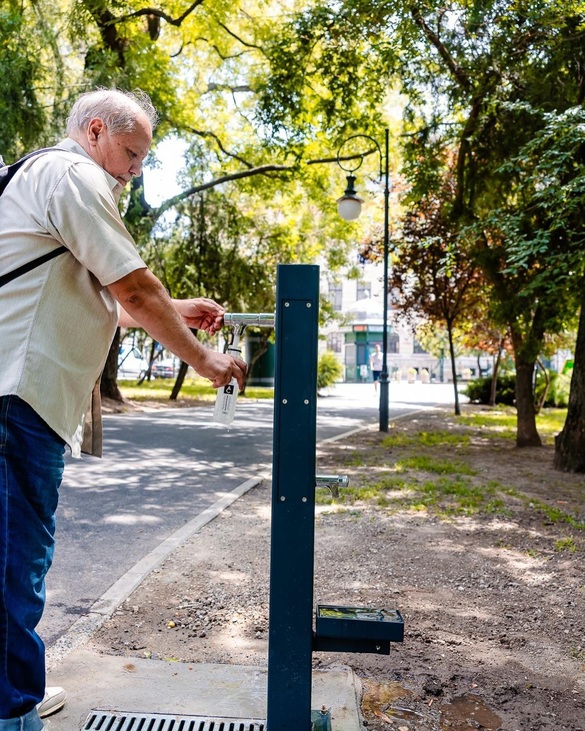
<point x="94" y="129"/>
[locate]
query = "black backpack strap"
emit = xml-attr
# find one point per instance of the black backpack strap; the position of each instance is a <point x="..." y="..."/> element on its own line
<point x="9" y="171"/>
<point x="6" y="175"/>
<point x="5" y="278"/>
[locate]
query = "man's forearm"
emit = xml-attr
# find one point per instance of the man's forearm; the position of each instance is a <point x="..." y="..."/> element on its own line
<point x="182" y="306"/>
<point x="126" y="320"/>
<point x="145" y="303"/>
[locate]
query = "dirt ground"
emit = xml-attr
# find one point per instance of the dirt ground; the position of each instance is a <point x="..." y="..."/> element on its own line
<point x="478" y="544"/>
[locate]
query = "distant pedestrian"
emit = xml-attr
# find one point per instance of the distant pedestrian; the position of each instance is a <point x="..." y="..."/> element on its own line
<point x="376" y="364"/>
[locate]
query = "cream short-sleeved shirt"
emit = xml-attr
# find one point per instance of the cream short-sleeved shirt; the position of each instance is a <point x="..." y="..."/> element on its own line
<point x="57" y="322"/>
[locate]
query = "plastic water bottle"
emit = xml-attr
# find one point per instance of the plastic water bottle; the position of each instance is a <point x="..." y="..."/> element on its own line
<point x="227" y="396"/>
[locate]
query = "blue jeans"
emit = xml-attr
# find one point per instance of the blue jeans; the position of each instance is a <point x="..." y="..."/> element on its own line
<point x="31" y="469"/>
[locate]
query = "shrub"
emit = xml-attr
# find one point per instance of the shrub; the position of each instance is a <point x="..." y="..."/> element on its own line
<point x="329" y="370"/>
<point x="558" y="392"/>
<point x="479" y="390"/>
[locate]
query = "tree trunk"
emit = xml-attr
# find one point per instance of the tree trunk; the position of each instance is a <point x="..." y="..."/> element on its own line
<point x="179" y="381"/>
<point x="526" y="432"/>
<point x="181" y="374"/>
<point x="453" y="368"/>
<point x="495" y="371"/>
<point x="542" y="400"/>
<point x="570" y="442"/>
<point x="109" y="383"/>
<point x="151" y="358"/>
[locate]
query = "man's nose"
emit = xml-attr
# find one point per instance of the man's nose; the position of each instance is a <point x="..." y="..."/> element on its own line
<point x="136" y="168"/>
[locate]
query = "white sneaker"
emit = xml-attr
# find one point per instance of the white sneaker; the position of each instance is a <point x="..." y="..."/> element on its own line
<point x="53" y="701"/>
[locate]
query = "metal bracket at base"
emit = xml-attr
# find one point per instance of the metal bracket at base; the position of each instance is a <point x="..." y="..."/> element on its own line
<point x="357" y="629"/>
<point x="338" y="644"/>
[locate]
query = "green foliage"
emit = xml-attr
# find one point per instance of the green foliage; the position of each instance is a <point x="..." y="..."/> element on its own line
<point x="446" y="496"/>
<point x="449" y="496"/>
<point x="353" y="459"/>
<point x="479" y="390"/>
<point x="491" y="139"/>
<point x="213" y="249"/>
<point x="500" y="423"/>
<point x="326" y="69"/>
<point x="426" y="463"/>
<point x="329" y="370"/>
<point x="434" y="339"/>
<point x="203" y="67"/>
<point x="425" y="439"/>
<point x="556" y="515"/>
<point x="459" y="497"/>
<point x="566" y="544"/>
<point x="558" y="394"/>
<point x="425" y="479"/>
<point x="492" y="420"/>
<point x="21" y="69"/>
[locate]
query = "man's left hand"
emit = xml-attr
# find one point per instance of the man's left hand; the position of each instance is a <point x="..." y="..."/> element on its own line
<point x="201" y="313"/>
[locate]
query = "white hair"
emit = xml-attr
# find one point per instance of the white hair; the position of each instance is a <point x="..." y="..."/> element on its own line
<point x="117" y="110"/>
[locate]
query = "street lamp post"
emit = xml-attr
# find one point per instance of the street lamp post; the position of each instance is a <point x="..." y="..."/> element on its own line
<point x="349" y="207"/>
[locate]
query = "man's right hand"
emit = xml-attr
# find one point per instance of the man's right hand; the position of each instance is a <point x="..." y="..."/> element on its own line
<point x="220" y="368"/>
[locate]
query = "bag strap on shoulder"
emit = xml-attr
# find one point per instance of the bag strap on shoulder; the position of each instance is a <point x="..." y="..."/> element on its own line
<point x="6" y="175"/>
<point x="9" y="171"/>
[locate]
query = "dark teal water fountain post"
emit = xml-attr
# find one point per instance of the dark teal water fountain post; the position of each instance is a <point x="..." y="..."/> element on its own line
<point x="290" y="634"/>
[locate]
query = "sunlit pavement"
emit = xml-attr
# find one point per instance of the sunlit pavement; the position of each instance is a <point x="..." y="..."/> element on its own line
<point x="400" y="393"/>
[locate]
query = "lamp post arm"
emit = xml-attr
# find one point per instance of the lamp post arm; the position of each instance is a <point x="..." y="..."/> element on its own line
<point x="344" y="158"/>
<point x="361" y="155"/>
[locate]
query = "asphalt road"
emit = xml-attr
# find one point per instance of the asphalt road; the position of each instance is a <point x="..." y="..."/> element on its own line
<point x="161" y="470"/>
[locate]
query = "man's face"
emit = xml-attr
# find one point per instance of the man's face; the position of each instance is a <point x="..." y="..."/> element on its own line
<point x="121" y="154"/>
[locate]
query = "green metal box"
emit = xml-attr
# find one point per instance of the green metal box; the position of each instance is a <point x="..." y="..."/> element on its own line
<point x="359" y="623"/>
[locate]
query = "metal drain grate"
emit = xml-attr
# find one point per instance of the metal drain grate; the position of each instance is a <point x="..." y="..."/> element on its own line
<point x="120" y="721"/>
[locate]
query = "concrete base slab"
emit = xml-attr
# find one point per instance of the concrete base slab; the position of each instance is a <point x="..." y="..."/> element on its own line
<point x="136" y="685"/>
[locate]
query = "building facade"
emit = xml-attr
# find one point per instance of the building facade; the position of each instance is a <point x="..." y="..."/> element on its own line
<point x="353" y="336"/>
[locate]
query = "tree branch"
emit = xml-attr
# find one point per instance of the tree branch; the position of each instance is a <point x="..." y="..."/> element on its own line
<point x="224" y="57"/>
<point x="203" y="133"/>
<point x="461" y="77"/>
<point x="155" y="213"/>
<point x="464" y="154"/>
<point x="234" y="89"/>
<point x="343" y="158"/>
<point x="159" y="14"/>
<point x="261" y="170"/>
<point x="233" y="35"/>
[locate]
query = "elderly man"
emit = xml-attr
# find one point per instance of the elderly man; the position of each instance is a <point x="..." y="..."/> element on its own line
<point x="57" y="322"/>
